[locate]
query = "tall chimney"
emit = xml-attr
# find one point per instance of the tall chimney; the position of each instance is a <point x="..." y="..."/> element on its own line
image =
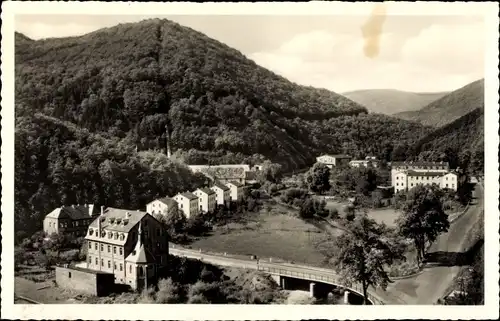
<point x="167" y="137"/>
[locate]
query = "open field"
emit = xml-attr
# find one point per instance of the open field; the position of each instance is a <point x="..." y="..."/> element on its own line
<point x="385" y="215"/>
<point x="266" y="235"/>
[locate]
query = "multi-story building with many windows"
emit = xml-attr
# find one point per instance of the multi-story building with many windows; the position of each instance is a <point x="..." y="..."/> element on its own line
<point x="132" y="245"/>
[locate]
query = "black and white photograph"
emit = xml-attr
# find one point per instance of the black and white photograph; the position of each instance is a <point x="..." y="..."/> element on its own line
<point x="230" y="157"/>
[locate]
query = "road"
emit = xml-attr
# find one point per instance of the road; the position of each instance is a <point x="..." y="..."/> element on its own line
<point x="429" y="286"/>
<point x="425" y="288"/>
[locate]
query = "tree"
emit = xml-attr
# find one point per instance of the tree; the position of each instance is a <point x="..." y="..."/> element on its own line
<point x="362" y="254"/>
<point x="271" y="172"/>
<point x="423" y="218"/>
<point x="318" y="178"/>
<point x="168" y="292"/>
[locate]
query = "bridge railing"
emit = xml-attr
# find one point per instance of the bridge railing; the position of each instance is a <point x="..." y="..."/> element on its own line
<point x="319" y="278"/>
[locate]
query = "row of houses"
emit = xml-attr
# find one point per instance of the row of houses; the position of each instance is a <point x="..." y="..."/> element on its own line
<point x="126" y="247"/>
<point x="201" y="200"/>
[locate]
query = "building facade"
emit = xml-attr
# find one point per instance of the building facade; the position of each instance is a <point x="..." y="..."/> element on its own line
<point x="188" y="203"/>
<point x="70" y="220"/>
<point x="207" y="199"/>
<point x="236" y="191"/>
<point x="431" y="167"/>
<point x="222" y="193"/>
<point x="364" y="163"/>
<point x="334" y="160"/>
<point x="132" y="245"/>
<point x="161" y="206"/>
<point x="406" y="180"/>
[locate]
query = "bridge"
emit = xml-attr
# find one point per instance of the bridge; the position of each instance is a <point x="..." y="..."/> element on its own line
<point x="281" y="272"/>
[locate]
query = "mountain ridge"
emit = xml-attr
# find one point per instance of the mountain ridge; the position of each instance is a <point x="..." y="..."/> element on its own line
<point x="392" y="101"/>
<point x="450" y="107"/>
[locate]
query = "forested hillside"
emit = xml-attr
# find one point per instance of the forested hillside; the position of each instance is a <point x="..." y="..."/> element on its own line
<point x="99" y="96"/>
<point x="58" y="164"/>
<point x="450" y="107"/>
<point x="461" y="143"/>
<point x="390" y="101"/>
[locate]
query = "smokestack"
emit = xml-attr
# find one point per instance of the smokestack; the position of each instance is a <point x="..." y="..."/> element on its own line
<point x="167" y="137"/>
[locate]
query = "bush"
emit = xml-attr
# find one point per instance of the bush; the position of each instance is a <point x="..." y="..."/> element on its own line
<point x="334" y="213"/>
<point x="168" y="292"/>
<point x="147" y="296"/>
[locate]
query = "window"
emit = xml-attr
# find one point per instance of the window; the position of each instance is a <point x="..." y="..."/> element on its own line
<point x="114" y="249"/>
<point x="121" y="267"/>
<point x="96" y="261"/>
<point x="69" y="275"/>
<point x="115" y="265"/>
<point x="109" y="264"/>
<point x="411" y="184"/>
<point x="446" y="184"/>
<point x="102" y="262"/>
<point x="90" y="245"/>
<point x="453" y="185"/>
<point x="96" y="246"/>
<point x="109" y="248"/>
<point x="130" y="268"/>
<point x="121" y="251"/>
<point x="102" y="247"/>
<point x="90" y="259"/>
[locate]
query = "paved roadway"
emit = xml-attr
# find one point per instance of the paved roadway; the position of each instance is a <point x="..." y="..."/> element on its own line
<point x="429" y="286"/>
<point x="425" y="288"/>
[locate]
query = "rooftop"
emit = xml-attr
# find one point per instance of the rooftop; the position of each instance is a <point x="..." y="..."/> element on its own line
<point x="235" y="184"/>
<point x="419" y="163"/>
<point x="168" y="201"/>
<point x="337" y="155"/>
<point x="189" y="195"/>
<point x="206" y="190"/>
<point x="118" y="220"/>
<point x="221" y="186"/>
<point x="74" y="212"/>
<point x="140" y="254"/>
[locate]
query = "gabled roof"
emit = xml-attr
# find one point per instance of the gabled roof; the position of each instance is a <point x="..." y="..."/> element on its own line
<point x="167" y="201"/>
<point x="205" y="190"/>
<point x="188" y="195"/>
<point x="336" y="155"/>
<point x="220" y="185"/>
<point x="234" y="183"/>
<point x="74" y="212"/>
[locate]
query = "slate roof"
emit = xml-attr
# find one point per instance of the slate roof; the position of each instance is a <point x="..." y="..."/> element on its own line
<point x="206" y="190"/>
<point x="168" y="201"/>
<point x="115" y="219"/>
<point x="419" y="163"/>
<point x="221" y="186"/>
<point x="235" y="183"/>
<point x="74" y="212"/>
<point x="189" y="195"/>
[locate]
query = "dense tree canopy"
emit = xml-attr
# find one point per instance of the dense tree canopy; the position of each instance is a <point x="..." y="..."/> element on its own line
<point x="59" y="164"/>
<point x="133" y="79"/>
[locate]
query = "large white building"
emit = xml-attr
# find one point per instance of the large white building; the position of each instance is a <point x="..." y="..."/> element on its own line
<point x="161" y="206"/>
<point x="207" y="199"/>
<point x="334" y="160"/>
<point x="187" y="203"/>
<point x="405" y="176"/>
<point x="223" y="193"/>
<point x="236" y="191"/>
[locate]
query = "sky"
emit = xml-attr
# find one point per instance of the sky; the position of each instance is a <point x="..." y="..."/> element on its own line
<point x="415" y="53"/>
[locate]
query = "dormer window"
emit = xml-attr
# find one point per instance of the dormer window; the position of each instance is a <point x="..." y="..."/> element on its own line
<point x="91" y="231"/>
<point x="122" y="237"/>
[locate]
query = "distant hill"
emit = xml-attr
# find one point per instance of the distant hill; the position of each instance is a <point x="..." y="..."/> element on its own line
<point x="390" y="101"/>
<point x="450" y="107"/>
<point x="460" y="142"/>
